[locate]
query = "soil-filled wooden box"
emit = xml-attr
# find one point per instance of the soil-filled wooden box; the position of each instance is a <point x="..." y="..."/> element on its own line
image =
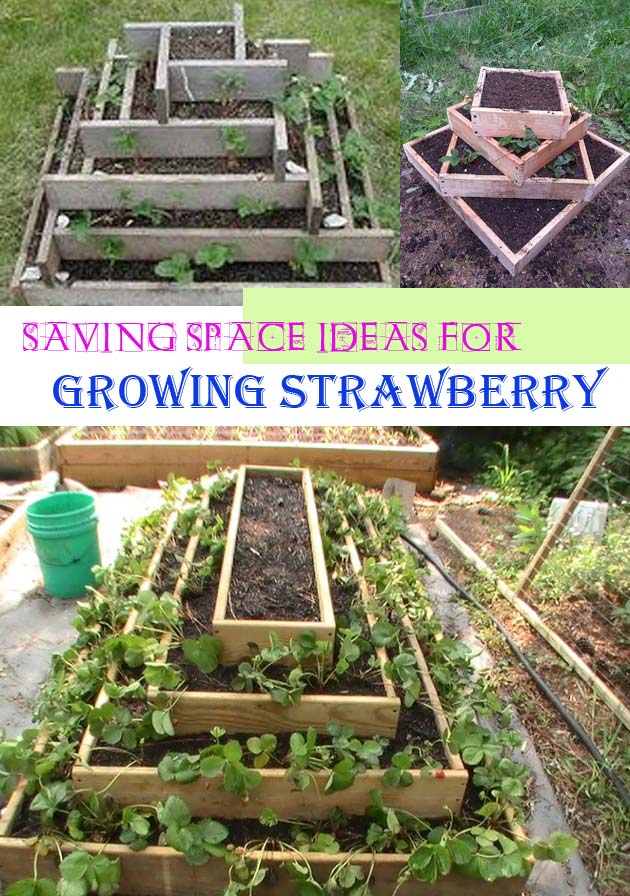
<point x="273" y="578"/>
<point x="517" y="168"/>
<point x="100" y="463"/>
<point x="508" y="102"/>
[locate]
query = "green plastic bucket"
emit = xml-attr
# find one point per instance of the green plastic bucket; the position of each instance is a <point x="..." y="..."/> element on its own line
<point x="64" y="531"/>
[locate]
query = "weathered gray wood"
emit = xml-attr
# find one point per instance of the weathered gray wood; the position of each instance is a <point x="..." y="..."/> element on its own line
<point x="295" y="51"/>
<point x="162" y="98"/>
<point x="99" y="108"/>
<point x="38" y="198"/>
<point x="181" y="191"/>
<point x="68" y="80"/>
<point x="281" y="144"/>
<point x="121" y="292"/>
<point x="202" y="79"/>
<point x="340" y="169"/>
<point x="154" y="244"/>
<point x="315" y="202"/>
<point x="190" y="138"/>
<point x="240" y="46"/>
<point x="126" y="104"/>
<point x="320" y="67"/>
<point x="144" y="37"/>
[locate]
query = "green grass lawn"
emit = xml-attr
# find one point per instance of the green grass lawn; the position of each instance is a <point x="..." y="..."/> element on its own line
<point x="37" y="37"/>
<point x="587" y="40"/>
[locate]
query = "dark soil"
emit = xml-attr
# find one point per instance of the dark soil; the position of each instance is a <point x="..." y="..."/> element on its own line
<point x="294" y="218"/>
<point x="516" y="221"/>
<point x="600" y="156"/>
<point x="112" y="109"/>
<point x="33" y="248"/>
<point x="514" y="90"/>
<point x="577" y="171"/>
<point x="208" y="165"/>
<point x="202" y="43"/>
<point x="254" y="50"/>
<point x="438" y="250"/>
<point x="231" y="109"/>
<point x="432" y="149"/>
<point x="297" y="149"/>
<point x="143" y="105"/>
<point x="273" y="575"/>
<point x="68" y="111"/>
<point x="263" y="272"/>
<point x="356" y="184"/>
<point x="330" y="193"/>
<point x="481" y="166"/>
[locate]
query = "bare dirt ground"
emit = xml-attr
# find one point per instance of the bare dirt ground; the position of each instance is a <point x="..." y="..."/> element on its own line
<point x="438" y="250"/>
<point x="604" y="840"/>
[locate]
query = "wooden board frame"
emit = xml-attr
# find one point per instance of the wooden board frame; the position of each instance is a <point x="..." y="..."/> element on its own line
<point x="514" y="262"/>
<point x="499" y="186"/>
<point x="143" y="462"/>
<point x="494" y="122"/>
<point x="414" y="158"/>
<point x="517" y="168"/>
<point x="199" y="80"/>
<point x="161" y="871"/>
<point x="612" y="171"/>
<point x="144" y="37"/>
<point x="237" y="634"/>
<point x="71" y="192"/>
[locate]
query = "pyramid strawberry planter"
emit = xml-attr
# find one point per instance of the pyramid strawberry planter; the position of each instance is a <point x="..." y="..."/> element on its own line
<point x="513" y="183"/>
<point x="199" y="164"/>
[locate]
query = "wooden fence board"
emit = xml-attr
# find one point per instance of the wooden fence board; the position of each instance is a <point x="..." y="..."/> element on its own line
<point x="204" y="79"/>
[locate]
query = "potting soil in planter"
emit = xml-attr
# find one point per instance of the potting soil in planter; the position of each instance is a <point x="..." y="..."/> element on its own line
<point x="516" y="221"/>
<point x="516" y="90"/>
<point x="202" y="43"/>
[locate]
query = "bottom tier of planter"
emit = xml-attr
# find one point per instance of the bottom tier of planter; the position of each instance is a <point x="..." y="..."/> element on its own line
<point x="160" y="871"/>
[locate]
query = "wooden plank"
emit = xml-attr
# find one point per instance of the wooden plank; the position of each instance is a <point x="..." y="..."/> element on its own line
<point x="487" y="236"/>
<point x="517" y="168"/>
<point x="197" y="713"/>
<point x="320" y="67"/>
<point x="610" y="173"/>
<point x="143" y="37"/>
<point x="343" y="189"/>
<point x="172" y="191"/>
<point x="198" y="138"/>
<point x="237" y="634"/>
<point x="162" y="90"/>
<point x="240" y="44"/>
<point x="542" y="239"/>
<point x="295" y="51"/>
<point x="280" y="144"/>
<point x="38" y="198"/>
<point x="129" y="87"/>
<point x="315" y="202"/>
<point x="412" y="151"/>
<point x="68" y="80"/>
<point x="99" y="105"/>
<point x="429" y="796"/>
<point x="206" y="79"/>
<point x="160" y="871"/>
<point x="494" y="122"/>
<point x="154" y="244"/>
<point x="564" y="650"/>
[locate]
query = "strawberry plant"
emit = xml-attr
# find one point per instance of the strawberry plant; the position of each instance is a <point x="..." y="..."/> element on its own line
<point x="250" y="207"/>
<point x="214" y="256"/>
<point x="177" y="268"/>
<point x="309" y="254"/>
<point x="520" y="145"/>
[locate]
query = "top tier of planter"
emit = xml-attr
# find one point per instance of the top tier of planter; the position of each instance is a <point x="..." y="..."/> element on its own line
<point x="177" y="177"/>
<point x="508" y="102"/>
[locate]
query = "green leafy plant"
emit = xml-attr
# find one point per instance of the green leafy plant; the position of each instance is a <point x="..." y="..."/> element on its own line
<point x="309" y="254"/>
<point x="354" y="151"/>
<point x="203" y="652"/>
<point x="234" y="142"/>
<point x="520" y="145"/>
<point x="177" y="268"/>
<point x="197" y="841"/>
<point x="262" y="749"/>
<point x="82" y="873"/>
<point x="146" y="210"/>
<point x="125" y="141"/>
<point x="81" y="226"/>
<point x="112" y="249"/>
<point x="229" y="87"/>
<point x="249" y="206"/>
<point x="562" y="165"/>
<point x="215" y="256"/>
<point x="455" y="158"/>
<point x="19" y="436"/>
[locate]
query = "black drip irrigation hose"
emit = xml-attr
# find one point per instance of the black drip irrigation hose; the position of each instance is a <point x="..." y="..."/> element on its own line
<point x="540" y="683"/>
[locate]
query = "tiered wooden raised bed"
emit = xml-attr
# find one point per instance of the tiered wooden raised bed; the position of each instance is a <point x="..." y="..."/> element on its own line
<point x="516" y="204"/>
<point x="161" y="871"/>
<point x="101" y="463"/>
<point x="158" y="145"/>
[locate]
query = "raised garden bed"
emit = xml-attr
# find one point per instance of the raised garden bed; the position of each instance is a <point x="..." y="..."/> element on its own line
<point x="273" y="578"/>
<point x="99" y="459"/>
<point x="31" y="462"/>
<point x="508" y="102"/>
<point x="517" y="168"/>
<point x="164" y="139"/>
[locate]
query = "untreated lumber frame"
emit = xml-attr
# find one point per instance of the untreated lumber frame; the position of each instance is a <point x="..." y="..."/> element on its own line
<point x="495" y="122"/>
<point x="237" y="634"/>
<point x="198" y="80"/>
<point x="144" y="37"/>
<point x="517" y="168"/>
<point x="100" y="101"/>
<point x="563" y="649"/>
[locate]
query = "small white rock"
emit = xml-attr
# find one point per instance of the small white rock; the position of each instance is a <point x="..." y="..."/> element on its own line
<point x="294" y="168"/>
<point x="62" y="276"/>
<point x="31" y="274"/>
<point x="335" y="222"/>
<point x="63" y="222"/>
